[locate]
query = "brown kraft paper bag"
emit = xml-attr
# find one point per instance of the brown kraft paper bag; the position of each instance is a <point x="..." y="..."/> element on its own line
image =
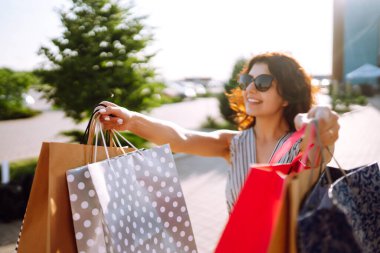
<point x="284" y="237"/>
<point x="48" y="224"/>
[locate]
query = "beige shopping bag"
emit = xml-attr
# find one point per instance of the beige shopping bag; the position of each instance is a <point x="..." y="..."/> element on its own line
<point x="47" y="225"/>
<point x="284" y="237"/>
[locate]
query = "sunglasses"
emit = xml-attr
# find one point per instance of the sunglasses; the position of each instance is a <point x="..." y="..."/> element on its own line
<point x="262" y="82"/>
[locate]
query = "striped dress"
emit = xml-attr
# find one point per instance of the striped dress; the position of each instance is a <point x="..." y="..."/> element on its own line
<point x="243" y="154"/>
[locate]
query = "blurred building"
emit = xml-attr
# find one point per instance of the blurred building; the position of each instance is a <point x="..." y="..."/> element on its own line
<point x="356" y="38"/>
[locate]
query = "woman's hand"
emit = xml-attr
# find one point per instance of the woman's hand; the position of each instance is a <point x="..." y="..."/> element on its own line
<point x="114" y="116"/>
<point x="327" y="121"/>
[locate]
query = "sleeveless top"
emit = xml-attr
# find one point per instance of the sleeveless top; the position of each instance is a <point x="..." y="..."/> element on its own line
<point x="243" y="154"/>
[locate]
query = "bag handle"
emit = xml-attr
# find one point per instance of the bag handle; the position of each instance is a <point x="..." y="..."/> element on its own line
<point x="110" y="135"/>
<point x="86" y="135"/>
<point x="328" y="174"/>
<point x="288" y="144"/>
<point x="301" y="158"/>
<point x="113" y="133"/>
<point x="93" y="128"/>
<point x="317" y="140"/>
<point x="116" y="133"/>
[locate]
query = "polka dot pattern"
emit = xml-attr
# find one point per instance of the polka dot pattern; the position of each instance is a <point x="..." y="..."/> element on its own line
<point x="86" y="212"/>
<point x="135" y="202"/>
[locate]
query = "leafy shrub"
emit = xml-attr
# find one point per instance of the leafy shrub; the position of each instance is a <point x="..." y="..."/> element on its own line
<point x="12" y="87"/>
<point x="341" y="103"/>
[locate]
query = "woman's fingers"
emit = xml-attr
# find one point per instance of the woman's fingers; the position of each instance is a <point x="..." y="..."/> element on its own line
<point x="325" y="116"/>
<point x="329" y="136"/>
<point x="300" y="120"/>
<point x="112" y="122"/>
<point x="103" y="105"/>
<point x="320" y="112"/>
<point x="327" y="122"/>
<point x="112" y="125"/>
<point x="107" y="103"/>
<point x="328" y="126"/>
<point x="111" y="119"/>
<point x="111" y="116"/>
<point x="114" y="116"/>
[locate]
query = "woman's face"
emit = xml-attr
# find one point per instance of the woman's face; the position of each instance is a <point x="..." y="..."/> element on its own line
<point x="262" y="103"/>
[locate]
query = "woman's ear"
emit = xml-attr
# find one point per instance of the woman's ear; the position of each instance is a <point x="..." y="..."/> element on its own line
<point x="285" y="103"/>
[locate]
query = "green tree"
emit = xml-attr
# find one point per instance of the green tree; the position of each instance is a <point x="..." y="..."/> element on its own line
<point x="13" y="85"/>
<point x="101" y="55"/>
<point x="224" y="105"/>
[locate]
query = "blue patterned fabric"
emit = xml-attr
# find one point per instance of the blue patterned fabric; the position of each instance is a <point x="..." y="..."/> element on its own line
<point x="344" y="216"/>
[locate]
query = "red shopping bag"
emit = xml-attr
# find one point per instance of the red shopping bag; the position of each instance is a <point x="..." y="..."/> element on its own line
<point x="255" y="214"/>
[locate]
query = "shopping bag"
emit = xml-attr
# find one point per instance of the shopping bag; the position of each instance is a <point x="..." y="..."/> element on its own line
<point x="137" y="204"/>
<point x="261" y="218"/>
<point x="47" y="224"/>
<point x="86" y="211"/>
<point x="342" y="212"/>
<point x="259" y="208"/>
<point x="284" y="234"/>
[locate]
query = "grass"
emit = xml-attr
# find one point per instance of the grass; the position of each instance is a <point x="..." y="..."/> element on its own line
<point x="20" y="113"/>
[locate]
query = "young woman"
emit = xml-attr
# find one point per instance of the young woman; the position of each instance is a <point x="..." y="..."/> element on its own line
<point x="274" y="100"/>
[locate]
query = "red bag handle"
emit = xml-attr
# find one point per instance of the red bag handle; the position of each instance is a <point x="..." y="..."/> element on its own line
<point x="288" y="145"/>
<point x="296" y="136"/>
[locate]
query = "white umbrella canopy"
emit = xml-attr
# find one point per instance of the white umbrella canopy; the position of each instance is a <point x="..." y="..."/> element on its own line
<point x="365" y="71"/>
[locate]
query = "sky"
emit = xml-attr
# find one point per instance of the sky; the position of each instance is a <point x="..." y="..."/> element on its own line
<point x="197" y="38"/>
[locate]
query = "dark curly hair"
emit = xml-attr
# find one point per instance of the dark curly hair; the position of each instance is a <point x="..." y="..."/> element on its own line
<point x="294" y="85"/>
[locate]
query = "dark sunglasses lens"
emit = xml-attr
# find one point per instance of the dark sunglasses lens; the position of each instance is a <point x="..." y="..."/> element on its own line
<point x="244" y="81"/>
<point x="263" y="82"/>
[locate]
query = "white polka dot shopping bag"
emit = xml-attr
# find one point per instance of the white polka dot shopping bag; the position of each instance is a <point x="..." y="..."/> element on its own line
<point x="130" y="203"/>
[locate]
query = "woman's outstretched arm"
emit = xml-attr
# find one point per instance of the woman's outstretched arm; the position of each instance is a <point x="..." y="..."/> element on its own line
<point x="160" y="132"/>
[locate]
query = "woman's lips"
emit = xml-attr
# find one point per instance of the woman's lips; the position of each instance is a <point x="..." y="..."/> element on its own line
<point x="254" y="101"/>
